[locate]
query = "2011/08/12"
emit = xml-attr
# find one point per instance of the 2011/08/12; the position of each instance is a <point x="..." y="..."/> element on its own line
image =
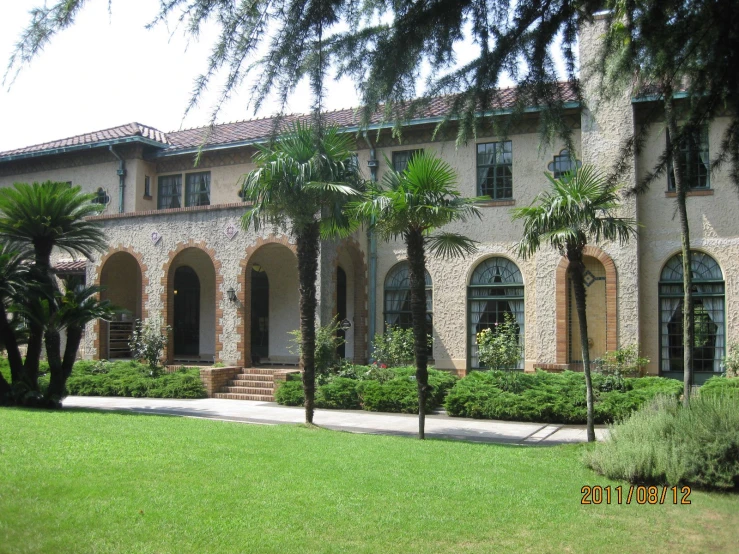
<point x="641" y="494"/>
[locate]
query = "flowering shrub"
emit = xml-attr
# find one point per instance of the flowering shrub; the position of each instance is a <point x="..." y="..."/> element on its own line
<point x="498" y="347"/>
<point x="148" y="342"/>
<point x="395" y="347"/>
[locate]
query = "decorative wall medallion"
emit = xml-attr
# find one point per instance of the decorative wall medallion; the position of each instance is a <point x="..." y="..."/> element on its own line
<point x="155" y="237"/>
<point x="231" y="230"/>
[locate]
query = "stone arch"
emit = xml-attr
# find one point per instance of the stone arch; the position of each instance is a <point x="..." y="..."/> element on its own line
<point x="99" y="346"/>
<point x="168" y="281"/>
<point x="243" y="292"/>
<point x="563" y="301"/>
<point x="351" y="247"/>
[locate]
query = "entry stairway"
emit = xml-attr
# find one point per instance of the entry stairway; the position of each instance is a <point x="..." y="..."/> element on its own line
<point x="254" y="383"/>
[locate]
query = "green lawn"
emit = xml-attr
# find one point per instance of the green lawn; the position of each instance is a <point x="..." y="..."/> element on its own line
<point x="76" y="481"/>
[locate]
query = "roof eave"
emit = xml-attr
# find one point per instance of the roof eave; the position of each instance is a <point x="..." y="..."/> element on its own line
<point x="78" y="147"/>
<point x="348" y="129"/>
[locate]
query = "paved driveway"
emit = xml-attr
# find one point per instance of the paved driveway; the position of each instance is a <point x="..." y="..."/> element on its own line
<point x="356" y="421"/>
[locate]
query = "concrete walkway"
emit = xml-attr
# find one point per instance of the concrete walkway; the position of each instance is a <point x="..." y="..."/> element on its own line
<point x="355" y="421"/>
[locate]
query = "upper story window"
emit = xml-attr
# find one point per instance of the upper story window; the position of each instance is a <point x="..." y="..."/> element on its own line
<point x="101" y="197"/>
<point x="402" y="157"/>
<point x="693" y="159"/>
<point x="170" y="192"/>
<point x="495" y="170"/>
<point x="563" y="163"/>
<point x="197" y="189"/>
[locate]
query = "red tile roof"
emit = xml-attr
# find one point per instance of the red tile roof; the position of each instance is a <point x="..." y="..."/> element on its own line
<point x="255" y="129"/>
<point x="74" y="266"/>
<point x="130" y="130"/>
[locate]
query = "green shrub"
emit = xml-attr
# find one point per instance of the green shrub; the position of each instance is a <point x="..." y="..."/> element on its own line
<point x="339" y="394"/>
<point x="148" y="342"/>
<point x="395" y="347"/>
<point x="327" y="341"/>
<point x="550" y="397"/>
<point x="720" y="386"/>
<point x="290" y="393"/>
<point x="665" y="443"/>
<point x="498" y="347"/>
<point x="130" y="378"/>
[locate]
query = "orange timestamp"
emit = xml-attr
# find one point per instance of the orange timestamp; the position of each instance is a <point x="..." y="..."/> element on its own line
<point x="640" y="494"/>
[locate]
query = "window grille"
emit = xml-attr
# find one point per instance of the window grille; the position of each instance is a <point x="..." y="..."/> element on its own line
<point x="170" y="192"/>
<point x="495" y="170"/>
<point x="694" y="160"/>
<point x="197" y="189"/>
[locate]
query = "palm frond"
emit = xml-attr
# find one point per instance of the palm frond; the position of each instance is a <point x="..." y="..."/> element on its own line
<point x="451" y="245"/>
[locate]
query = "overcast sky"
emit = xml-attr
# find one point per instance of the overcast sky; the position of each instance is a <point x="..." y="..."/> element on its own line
<point x="108" y="70"/>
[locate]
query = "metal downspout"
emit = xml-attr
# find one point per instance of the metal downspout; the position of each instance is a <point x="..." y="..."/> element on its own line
<point x="372" y="240"/>
<point x="121" y="178"/>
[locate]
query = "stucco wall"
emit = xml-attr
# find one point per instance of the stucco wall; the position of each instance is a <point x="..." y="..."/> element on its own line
<point x="714" y="229"/>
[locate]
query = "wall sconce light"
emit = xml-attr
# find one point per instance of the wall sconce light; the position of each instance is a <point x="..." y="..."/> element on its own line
<point x="231" y="295"/>
<point x="175" y="291"/>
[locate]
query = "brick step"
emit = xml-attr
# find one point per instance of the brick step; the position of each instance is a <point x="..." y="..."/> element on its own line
<point x="252" y="383"/>
<point x="247" y="390"/>
<point x="254" y="377"/>
<point x="259" y="371"/>
<point x="234" y="396"/>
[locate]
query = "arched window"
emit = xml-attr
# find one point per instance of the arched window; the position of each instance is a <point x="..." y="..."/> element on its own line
<point x="398" y="297"/>
<point x="708" y="314"/>
<point x="496" y="289"/>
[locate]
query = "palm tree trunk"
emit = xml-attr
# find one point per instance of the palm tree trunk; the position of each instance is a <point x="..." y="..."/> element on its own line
<point x="307" y="240"/>
<point x="56" y="377"/>
<point x="417" y="270"/>
<point x="576" y="269"/>
<point x="61" y="368"/>
<point x="682" y="210"/>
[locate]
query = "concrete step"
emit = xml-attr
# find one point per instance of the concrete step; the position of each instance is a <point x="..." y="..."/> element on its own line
<point x="248" y="390"/>
<point x="254" y="397"/>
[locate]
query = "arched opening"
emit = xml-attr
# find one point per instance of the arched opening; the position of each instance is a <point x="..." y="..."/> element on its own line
<point x="398" y="299"/>
<point x="596" y="311"/>
<point x="186" y="324"/>
<point x="259" y="312"/>
<point x="272" y="312"/>
<point x="495" y="290"/>
<point x="708" y="316"/>
<point x="341" y="307"/>
<point x="121" y="281"/>
<point x="191" y="307"/>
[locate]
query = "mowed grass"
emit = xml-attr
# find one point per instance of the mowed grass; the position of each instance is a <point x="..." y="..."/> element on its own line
<point x="78" y="481"/>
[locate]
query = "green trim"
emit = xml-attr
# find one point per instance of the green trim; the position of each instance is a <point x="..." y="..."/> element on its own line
<point x="77" y="147"/>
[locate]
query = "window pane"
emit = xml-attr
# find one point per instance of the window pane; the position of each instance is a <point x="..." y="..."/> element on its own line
<point x="197" y="189"/>
<point x="170" y="191"/>
<point x="693" y="159"/>
<point x="495" y="169"/>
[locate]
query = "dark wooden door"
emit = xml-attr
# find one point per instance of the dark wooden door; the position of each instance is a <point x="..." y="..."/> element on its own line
<point x="186" y="312"/>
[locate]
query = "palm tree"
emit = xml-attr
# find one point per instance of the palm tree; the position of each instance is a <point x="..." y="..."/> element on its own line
<point x="412" y="204"/>
<point x="75" y="308"/>
<point x="579" y="208"/>
<point x="39" y="218"/>
<point x="13" y="273"/>
<point x="301" y="184"/>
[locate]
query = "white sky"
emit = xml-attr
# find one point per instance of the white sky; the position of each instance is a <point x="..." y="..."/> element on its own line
<point x="108" y="70"/>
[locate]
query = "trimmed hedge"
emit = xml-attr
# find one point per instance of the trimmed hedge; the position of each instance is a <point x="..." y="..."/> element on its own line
<point x="133" y="379"/>
<point x="550" y="397"/>
<point x="665" y="443"/>
<point x="376" y="390"/>
<point x="721" y="386"/>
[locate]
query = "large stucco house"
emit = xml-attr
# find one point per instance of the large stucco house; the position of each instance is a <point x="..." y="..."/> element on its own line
<point x="178" y="254"/>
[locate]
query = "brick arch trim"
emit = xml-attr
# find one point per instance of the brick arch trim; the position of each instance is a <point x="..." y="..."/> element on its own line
<point x="97" y="343"/>
<point x="243" y="294"/>
<point x="562" y="301"/>
<point x="168" y="307"/>
<point x="352" y="248"/>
